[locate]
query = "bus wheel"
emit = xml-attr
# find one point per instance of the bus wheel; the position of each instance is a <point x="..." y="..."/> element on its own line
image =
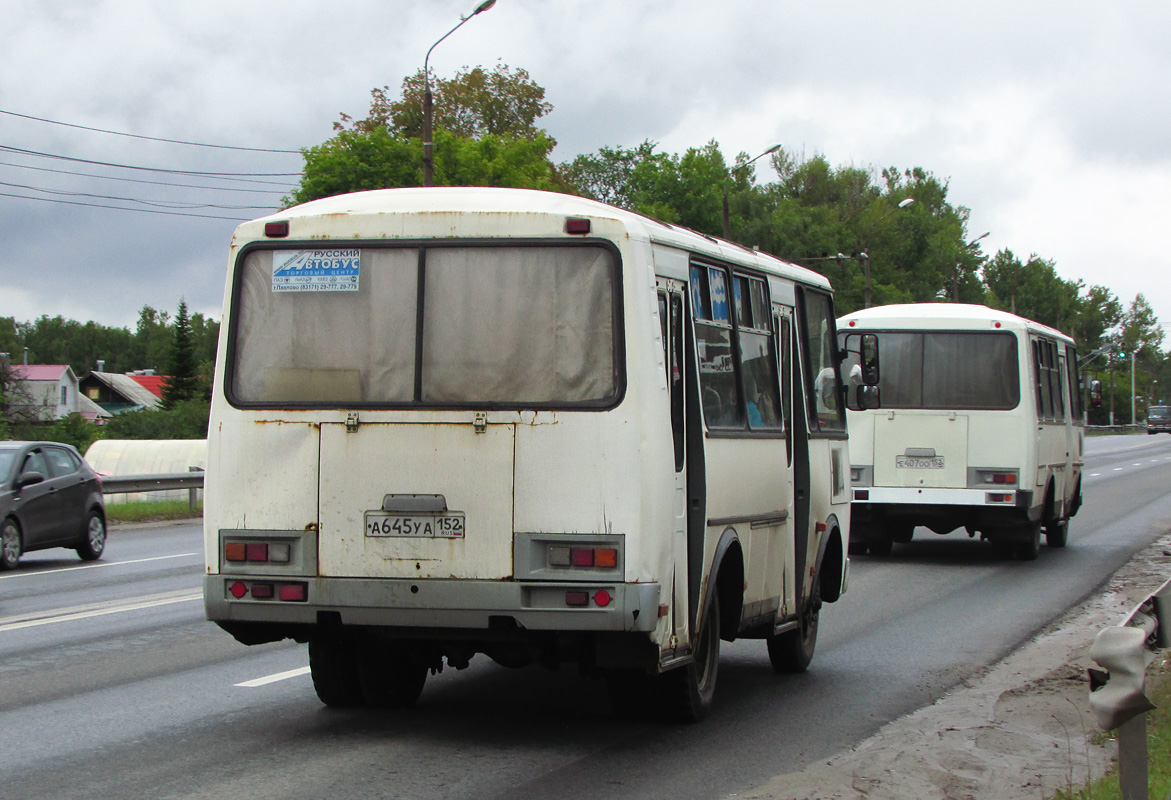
<point x="333" y="663"/>
<point x="1057" y="533"/>
<point x="389" y="674"/>
<point x="687" y="691"/>
<point x="1030" y="547"/>
<point x="792" y="651"/>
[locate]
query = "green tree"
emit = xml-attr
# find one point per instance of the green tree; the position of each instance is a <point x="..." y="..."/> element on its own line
<point x="607" y="175"/>
<point x="473" y="104"/>
<point x="181" y="375"/>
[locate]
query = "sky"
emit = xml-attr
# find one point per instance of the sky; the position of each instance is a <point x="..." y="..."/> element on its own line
<point x="1050" y="121"/>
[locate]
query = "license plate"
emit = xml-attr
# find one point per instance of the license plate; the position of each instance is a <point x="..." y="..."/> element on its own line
<point x="919" y="462"/>
<point x="448" y="525"/>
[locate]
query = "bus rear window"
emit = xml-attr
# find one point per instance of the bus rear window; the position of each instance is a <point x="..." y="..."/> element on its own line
<point x="938" y="369"/>
<point x="440" y="326"/>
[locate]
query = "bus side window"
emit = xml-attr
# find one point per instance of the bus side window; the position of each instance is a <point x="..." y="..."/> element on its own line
<point x="713" y="338"/>
<point x="758" y="365"/>
<point x="784" y="344"/>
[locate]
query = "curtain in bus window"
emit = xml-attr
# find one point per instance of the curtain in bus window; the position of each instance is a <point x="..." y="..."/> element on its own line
<point x="518" y="324"/>
<point x="968" y="370"/>
<point x="901" y="376"/>
<point x="327" y="347"/>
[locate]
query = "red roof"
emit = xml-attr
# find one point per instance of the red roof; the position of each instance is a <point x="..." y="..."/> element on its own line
<point x="40" y="372"/>
<point x="152" y="383"/>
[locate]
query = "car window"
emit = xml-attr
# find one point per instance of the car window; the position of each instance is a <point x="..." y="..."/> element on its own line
<point x="35" y="462"/>
<point x="7" y="457"/>
<point x="60" y="461"/>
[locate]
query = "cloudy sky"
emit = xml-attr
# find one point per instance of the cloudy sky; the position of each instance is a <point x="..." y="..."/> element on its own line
<point x="1049" y="120"/>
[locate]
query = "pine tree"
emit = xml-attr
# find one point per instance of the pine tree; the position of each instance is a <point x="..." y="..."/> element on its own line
<point x="181" y="381"/>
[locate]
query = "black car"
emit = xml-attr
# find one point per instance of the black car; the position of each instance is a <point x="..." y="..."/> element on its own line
<point x="49" y="497"/>
<point x="1159" y="419"/>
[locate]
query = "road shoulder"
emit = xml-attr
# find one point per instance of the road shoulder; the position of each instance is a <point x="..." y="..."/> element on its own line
<point x="1020" y="731"/>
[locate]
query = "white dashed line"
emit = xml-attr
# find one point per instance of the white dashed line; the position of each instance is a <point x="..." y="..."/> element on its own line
<point x="280" y="676"/>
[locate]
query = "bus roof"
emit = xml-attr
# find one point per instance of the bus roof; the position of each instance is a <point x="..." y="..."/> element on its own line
<point x="441" y="200"/>
<point x="943" y="316"/>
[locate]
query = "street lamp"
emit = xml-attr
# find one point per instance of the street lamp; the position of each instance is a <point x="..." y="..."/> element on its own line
<point x="428" y="160"/>
<point x="727" y="219"/>
<point x="955" y="278"/>
<point x="865" y="254"/>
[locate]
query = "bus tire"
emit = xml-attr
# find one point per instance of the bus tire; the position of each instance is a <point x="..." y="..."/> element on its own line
<point x="792" y="651"/>
<point x="1029" y="547"/>
<point x="1057" y="533"/>
<point x="333" y="664"/>
<point x="688" y="691"/>
<point x="389" y="675"/>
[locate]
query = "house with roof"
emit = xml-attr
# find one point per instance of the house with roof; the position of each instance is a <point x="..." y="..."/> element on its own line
<point x="51" y="390"/>
<point x="117" y="393"/>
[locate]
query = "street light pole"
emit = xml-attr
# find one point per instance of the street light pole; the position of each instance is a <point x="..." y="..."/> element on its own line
<point x="428" y="145"/>
<point x="865" y="254"/>
<point x="727" y="216"/>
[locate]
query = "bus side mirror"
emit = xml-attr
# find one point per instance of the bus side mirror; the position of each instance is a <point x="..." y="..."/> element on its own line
<point x="865" y="347"/>
<point x="867" y="397"/>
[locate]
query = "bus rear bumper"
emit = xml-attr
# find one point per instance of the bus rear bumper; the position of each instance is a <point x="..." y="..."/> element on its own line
<point x="433" y="604"/>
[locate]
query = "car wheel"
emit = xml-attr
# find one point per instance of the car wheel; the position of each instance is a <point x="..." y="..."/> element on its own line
<point x="10" y="545"/>
<point x="93" y="543"/>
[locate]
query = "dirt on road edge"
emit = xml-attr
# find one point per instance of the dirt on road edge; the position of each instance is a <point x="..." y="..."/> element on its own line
<point x="1020" y="731"/>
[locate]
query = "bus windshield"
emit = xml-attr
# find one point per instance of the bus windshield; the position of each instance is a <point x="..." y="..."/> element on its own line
<point x="523" y="326"/>
<point x="952" y="370"/>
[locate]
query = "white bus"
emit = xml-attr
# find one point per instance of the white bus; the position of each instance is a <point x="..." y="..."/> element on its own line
<point x="980" y="427"/>
<point x="454" y="421"/>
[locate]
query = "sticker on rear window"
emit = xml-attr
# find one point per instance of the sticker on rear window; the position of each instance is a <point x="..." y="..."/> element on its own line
<point x="315" y="270"/>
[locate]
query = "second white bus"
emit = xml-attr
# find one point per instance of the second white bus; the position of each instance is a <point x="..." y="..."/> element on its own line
<point x="980" y="427"/>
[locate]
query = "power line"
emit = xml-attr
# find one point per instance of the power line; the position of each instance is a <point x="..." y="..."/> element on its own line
<point x="158" y="203"/>
<point x="195" y="173"/>
<point x="147" y="138"/>
<point x="121" y="208"/>
<point x="138" y="180"/>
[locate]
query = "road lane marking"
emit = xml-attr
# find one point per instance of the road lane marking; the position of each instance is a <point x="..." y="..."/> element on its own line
<point x="26" y="573"/>
<point x="38" y="618"/>
<point x="280" y="676"/>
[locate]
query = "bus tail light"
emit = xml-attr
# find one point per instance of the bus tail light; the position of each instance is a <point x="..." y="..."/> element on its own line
<point x="580" y="598"/>
<point x="296" y="592"/>
<point x="582" y="557"/>
<point x="997" y="477"/>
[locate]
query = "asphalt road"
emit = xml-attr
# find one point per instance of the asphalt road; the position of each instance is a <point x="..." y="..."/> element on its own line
<point x="112" y="684"/>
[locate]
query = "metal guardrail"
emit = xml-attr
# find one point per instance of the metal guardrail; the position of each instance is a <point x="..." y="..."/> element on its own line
<point x="1117" y="692"/>
<point x="123" y="484"/>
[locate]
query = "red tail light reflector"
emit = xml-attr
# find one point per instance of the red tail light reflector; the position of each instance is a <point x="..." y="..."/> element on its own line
<point x="262" y="591"/>
<point x="276" y="230"/>
<point x="602" y="598"/>
<point x="257" y="551"/>
<point x="577" y="225"/>
<point x="582" y="556"/>
<point x="861" y="494"/>
<point x="293" y="592"/>
<point x="238" y="589"/>
<point x="577" y="598"/>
